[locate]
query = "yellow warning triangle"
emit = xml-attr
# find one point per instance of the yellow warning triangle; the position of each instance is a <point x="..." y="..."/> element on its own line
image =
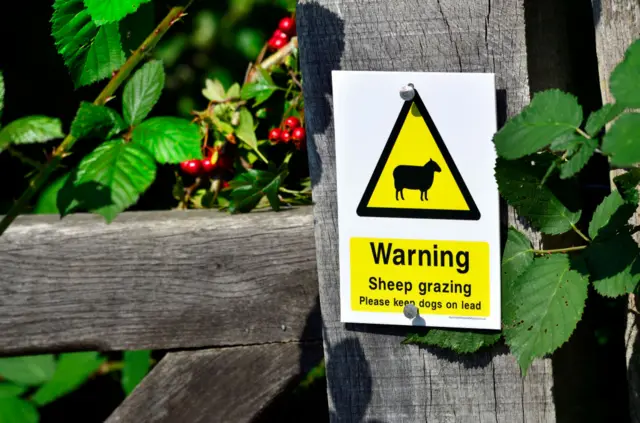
<point x="416" y="176"/>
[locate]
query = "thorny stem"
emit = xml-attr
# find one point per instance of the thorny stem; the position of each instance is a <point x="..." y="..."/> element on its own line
<point x="118" y="78"/>
<point x="560" y="250"/>
<point x="583" y="236"/>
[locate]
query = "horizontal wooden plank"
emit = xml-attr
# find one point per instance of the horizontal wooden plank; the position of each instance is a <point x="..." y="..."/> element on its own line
<point x="229" y="385"/>
<point x="158" y="280"/>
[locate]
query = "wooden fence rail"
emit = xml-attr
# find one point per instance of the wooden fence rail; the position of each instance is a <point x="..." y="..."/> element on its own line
<point x="157" y="280"/>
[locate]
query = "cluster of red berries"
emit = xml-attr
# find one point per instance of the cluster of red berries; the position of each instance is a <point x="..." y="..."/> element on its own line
<point x="280" y="37"/>
<point x="215" y="161"/>
<point x="292" y="132"/>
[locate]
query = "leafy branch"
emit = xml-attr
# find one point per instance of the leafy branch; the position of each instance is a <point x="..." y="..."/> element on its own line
<point x="542" y="150"/>
<point x="109" y="90"/>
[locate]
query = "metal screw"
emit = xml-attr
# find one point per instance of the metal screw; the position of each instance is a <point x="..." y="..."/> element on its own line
<point x="410" y="311"/>
<point x="284" y="328"/>
<point x="407" y="92"/>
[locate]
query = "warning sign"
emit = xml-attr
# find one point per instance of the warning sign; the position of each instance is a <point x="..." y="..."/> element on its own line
<point x="416" y="176"/>
<point x="418" y="208"/>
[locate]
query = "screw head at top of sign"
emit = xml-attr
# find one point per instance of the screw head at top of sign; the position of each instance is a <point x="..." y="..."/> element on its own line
<point x="407" y="92"/>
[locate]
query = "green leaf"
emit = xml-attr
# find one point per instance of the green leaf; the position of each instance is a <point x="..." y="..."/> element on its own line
<point x="116" y="171"/>
<point x="579" y="159"/>
<point x="569" y="143"/>
<point x="604" y="212"/>
<point x="96" y="121"/>
<point x="169" y="139"/>
<point x="519" y="182"/>
<point x="105" y="11"/>
<point x="249" y="187"/>
<point x="1" y="93"/>
<point x="28" y="370"/>
<point x="598" y="119"/>
<point x="91" y="53"/>
<point x="627" y="185"/>
<point x="72" y="371"/>
<point x="621" y="140"/>
<point x="136" y="367"/>
<point x="552" y="114"/>
<point x="261" y="89"/>
<point x="234" y="91"/>
<point x="142" y="92"/>
<point x="460" y="341"/>
<point x="214" y="90"/>
<point x="614" y="265"/>
<point x="547" y="303"/>
<point x="30" y="130"/>
<point x="8" y="390"/>
<point x="624" y="82"/>
<point x="517" y="257"/>
<point x="17" y="410"/>
<point x="48" y="200"/>
<point x="246" y="132"/>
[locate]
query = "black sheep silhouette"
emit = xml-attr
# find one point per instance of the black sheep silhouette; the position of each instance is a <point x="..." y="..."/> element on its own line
<point x="415" y="177"/>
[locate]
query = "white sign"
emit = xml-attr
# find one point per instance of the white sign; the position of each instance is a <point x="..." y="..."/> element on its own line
<point x="418" y="210"/>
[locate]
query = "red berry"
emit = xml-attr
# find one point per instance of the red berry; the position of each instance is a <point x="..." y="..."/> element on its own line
<point x="275" y="134"/>
<point x="280" y="34"/>
<point x="287" y="25"/>
<point x="277" y="43"/>
<point x="298" y="134"/>
<point x="271" y="44"/>
<point x="285" y="137"/>
<point x="208" y="165"/>
<point x="292" y="122"/>
<point x="191" y="167"/>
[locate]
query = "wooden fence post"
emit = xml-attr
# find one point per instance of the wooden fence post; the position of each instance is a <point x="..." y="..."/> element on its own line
<point x="371" y="376"/>
<point x="617" y="24"/>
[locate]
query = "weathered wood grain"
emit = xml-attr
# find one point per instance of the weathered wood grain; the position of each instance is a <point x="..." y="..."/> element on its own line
<point x="226" y="385"/>
<point x="157" y="280"/>
<point x="372" y="377"/>
<point x="617" y="24"/>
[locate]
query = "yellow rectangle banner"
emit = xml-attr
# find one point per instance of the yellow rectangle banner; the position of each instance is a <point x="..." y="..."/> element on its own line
<point x="438" y="277"/>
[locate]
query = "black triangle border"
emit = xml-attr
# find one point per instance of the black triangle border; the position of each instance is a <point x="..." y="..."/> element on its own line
<point x="472" y="214"/>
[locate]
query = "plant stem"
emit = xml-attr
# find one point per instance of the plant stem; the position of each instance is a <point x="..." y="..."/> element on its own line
<point x="560" y="250"/>
<point x="275" y="59"/>
<point x="63" y="149"/>
<point x="584" y="134"/>
<point x="583" y="236"/>
<point x="295" y="79"/>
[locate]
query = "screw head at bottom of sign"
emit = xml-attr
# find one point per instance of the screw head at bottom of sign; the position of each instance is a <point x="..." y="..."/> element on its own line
<point x="407" y="92"/>
<point x="410" y="311"/>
